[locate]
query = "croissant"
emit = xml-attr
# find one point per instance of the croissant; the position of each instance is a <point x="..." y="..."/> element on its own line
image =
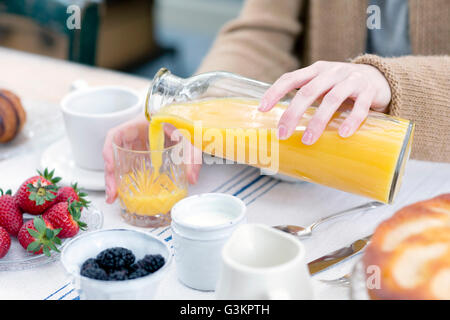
<point x="412" y="253"/>
<point x="12" y="115"/>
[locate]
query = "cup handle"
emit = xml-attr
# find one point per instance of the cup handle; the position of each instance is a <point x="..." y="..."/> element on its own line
<point x="78" y="85"/>
<point x="278" y="294"/>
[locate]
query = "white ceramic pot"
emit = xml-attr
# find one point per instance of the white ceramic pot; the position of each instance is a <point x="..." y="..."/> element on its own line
<point x="262" y="263"/>
<point x="201" y="225"/>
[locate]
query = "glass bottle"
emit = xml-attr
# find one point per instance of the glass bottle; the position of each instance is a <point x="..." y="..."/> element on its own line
<point x="369" y="163"/>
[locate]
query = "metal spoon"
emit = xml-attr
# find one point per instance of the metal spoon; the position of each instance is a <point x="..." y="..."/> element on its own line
<point x="342" y="281"/>
<point x="305" y="232"/>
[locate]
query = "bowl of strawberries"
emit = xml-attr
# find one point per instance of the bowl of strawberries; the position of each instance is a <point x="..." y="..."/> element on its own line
<point x="37" y="220"/>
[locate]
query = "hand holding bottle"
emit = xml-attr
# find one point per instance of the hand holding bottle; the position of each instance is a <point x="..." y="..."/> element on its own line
<point x="334" y="82"/>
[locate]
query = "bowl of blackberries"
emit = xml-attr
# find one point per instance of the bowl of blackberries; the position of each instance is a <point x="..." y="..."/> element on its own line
<point x="116" y="264"/>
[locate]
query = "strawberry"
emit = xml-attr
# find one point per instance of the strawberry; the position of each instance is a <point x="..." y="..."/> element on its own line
<point x="72" y="192"/>
<point x="10" y="215"/>
<point x="65" y="215"/>
<point x="37" y="193"/>
<point x="5" y="242"/>
<point x="38" y="236"/>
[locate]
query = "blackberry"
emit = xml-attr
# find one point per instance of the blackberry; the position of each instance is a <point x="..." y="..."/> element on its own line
<point x="119" y="275"/>
<point x="94" y="273"/>
<point x="133" y="267"/>
<point x="138" y="273"/>
<point x="115" y="258"/>
<point x="151" y="263"/>
<point x="89" y="264"/>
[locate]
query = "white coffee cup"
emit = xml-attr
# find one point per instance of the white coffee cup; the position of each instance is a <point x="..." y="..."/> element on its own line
<point x="260" y="262"/>
<point x="89" y="112"/>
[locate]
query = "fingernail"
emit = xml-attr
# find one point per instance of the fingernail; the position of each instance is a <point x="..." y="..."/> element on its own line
<point x="193" y="177"/>
<point x="282" y="132"/>
<point x="307" y="137"/>
<point x="344" y="131"/>
<point x="262" y="106"/>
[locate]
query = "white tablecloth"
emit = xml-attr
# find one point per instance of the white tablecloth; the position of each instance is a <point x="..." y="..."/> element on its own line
<point x="269" y="201"/>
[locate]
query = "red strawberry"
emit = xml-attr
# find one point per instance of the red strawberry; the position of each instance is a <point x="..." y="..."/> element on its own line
<point x="65" y="215"/>
<point x="10" y="214"/>
<point x="72" y="192"/>
<point x="37" y="193"/>
<point x="38" y="236"/>
<point x="5" y="242"/>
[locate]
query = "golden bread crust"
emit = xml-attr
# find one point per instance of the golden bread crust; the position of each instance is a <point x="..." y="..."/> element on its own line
<point x="412" y="251"/>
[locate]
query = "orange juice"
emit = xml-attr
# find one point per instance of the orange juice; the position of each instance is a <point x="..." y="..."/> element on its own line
<point x="369" y="163"/>
<point x="148" y="193"/>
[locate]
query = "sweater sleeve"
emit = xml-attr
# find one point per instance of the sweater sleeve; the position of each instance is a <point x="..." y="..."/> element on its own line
<point x="259" y="43"/>
<point x="420" y="87"/>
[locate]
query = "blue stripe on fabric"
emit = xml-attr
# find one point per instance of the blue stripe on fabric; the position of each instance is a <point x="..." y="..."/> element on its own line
<point x="163" y="231"/>
<point x="234" y="177"/>
<point x="67" y="293"/>
<point x="257" y="189"/>
<point x="57" y="291"/>
<point x="240" y="180"/>
<point x="263" y="193"/>
<point x="248" y="185"/>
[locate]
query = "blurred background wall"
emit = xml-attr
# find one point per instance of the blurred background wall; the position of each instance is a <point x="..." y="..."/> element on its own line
<point x="136" y="36"/>
<point x="190" y="26"/>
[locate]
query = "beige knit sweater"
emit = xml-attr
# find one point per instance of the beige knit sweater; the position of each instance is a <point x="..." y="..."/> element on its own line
<point x="271" y="37"/>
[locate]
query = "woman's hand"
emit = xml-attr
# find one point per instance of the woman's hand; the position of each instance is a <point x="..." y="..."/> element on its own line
<point x="134" y="131"/>
<point x="335" y="82"/>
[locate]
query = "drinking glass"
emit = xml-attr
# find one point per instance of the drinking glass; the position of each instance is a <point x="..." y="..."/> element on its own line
<point x="146" y="193"/>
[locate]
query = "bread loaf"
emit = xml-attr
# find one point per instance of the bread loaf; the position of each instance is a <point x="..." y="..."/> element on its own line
<point x="412" y="252"/>
<point x="12" y="115"/>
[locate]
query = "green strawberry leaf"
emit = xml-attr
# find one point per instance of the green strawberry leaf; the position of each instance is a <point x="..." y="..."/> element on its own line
<point x="49" y="176"/>
<point x="53" y="247"/>
<point x="39" y="224"/>
<point x="7" y="192"/>
<point x="81" y="195"/>
<point x="34" y="233"/>
<point x="50" y="196"/>
<point x="46" y="251"/>
<point x="56" y="231"/>
<point x="34" y="246"/>
<point x="82" y="225"/>
<point x="49" y="233"/>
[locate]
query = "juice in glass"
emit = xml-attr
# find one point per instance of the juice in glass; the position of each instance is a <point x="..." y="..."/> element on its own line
<point x="147" y="191"/>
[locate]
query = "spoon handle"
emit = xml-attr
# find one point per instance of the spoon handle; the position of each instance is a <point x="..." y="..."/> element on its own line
<point x="366" y="206"/>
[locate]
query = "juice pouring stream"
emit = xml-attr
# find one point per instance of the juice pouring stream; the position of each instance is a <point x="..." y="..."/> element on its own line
<point x="221" y="105"/>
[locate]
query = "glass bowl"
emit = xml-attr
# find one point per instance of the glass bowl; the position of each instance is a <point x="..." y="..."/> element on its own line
<point x="19" y="259"/>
